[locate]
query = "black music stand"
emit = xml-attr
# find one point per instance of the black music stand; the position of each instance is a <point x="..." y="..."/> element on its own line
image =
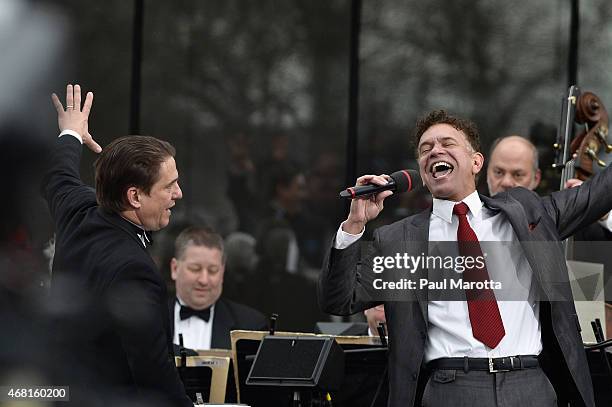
<point x="309" y="366"/>
<point x="255" y="396"/>
<point x="365" y="377"/>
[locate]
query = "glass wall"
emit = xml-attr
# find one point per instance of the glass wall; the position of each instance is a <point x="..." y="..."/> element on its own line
<point x="254" y="96"/>
<point x="594" y="56"/>
<point x="500" y="65"/>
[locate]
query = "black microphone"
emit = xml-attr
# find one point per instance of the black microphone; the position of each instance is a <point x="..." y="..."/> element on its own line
<point x="401" y="181"/>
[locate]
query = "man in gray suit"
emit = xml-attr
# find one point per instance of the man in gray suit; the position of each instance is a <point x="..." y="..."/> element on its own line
<point x="478" y="351"/>
<point x="513" y="162"/>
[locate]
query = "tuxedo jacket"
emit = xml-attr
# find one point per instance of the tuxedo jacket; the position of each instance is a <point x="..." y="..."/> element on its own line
<point x="228" y="316"/>
<point x="110" y="318"/>
<point x="539" y="224"/>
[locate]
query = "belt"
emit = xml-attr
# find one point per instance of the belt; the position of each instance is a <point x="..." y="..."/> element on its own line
<point x="491" y="365"/>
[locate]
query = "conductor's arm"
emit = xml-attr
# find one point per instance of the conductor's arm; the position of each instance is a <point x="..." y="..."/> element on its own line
<point x="62" y="186"/>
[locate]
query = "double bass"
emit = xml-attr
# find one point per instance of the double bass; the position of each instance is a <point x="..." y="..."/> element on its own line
<point x="583" y="156"/>
<point x="587" y="154"/>
<point x="590" y="152"/>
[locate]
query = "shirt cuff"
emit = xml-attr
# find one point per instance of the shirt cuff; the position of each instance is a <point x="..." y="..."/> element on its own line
<point x="73" y="134"/>
<point x="607" y="223"/>
<point x="344" y="239"/>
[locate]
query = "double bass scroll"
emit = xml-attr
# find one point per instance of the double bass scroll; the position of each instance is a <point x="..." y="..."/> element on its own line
<point x="593" y="146"/>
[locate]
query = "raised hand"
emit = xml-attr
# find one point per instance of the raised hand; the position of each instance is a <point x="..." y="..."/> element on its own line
<point x="74" y="117"/>
<point x="366" y="208"/>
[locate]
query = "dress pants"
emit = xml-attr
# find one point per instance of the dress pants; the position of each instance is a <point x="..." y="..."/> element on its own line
<point x="519" y="388"/>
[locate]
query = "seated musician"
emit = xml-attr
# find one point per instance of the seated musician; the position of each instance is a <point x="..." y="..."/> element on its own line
<point x="198" y="312"/>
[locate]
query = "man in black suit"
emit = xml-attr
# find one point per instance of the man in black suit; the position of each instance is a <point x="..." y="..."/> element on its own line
<point x="110" y="327"/>
<point x="198" y="312"/>
<point x="479" y="351"/>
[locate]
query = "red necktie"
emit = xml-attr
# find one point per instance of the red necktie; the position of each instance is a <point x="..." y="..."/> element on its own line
<point x="487" y="325"/>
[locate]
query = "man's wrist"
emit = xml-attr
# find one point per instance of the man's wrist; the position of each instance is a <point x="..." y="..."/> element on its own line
<point x="353" y="228"/>
<point x="345" y="239"/>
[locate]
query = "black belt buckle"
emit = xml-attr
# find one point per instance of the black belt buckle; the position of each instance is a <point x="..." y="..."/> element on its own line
<point x="492" y="364"/>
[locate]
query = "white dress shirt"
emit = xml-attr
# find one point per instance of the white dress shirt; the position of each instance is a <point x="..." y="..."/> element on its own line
<point x="449" y="328"/>
<point x="607" y="222"/>
<point x="197" y="333"/>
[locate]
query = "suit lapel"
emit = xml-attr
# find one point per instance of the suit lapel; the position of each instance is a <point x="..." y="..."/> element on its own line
<point x="416" y="240"/>
<point x="122" y="224"/>
<point x="524" y="220"/>
<point x="223" y="323"/>
<point x="171" y="303"/>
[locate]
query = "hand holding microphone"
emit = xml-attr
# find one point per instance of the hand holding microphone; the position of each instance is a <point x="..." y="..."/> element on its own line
<point x="370" y="192"/>
<point x="400" y="181"/>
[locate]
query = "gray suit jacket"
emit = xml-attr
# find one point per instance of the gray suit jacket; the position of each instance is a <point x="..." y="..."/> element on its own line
<point x="347" y="275"/>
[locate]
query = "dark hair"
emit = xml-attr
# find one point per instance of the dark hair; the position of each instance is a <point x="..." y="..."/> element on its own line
<point x="442" y="117"/>
<point x="198" y="236"/>
<point x="131" y="161"/>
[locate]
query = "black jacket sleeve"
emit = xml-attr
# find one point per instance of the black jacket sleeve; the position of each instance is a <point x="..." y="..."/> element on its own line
<point x="62" y="186"/>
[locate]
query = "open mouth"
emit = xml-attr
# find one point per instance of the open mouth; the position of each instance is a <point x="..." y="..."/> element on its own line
<point x="441" y="169"/>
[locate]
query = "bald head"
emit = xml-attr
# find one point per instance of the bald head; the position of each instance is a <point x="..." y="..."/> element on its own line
<point x="513" y="162"/>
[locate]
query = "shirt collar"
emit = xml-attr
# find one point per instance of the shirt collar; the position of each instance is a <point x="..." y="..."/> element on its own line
<point x="144" y="236"/>
<point x="443" y="208"/>
<point x="182" y="303"/>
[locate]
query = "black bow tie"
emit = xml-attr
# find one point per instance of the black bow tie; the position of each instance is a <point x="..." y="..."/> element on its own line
<point x="187" y="312"/>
